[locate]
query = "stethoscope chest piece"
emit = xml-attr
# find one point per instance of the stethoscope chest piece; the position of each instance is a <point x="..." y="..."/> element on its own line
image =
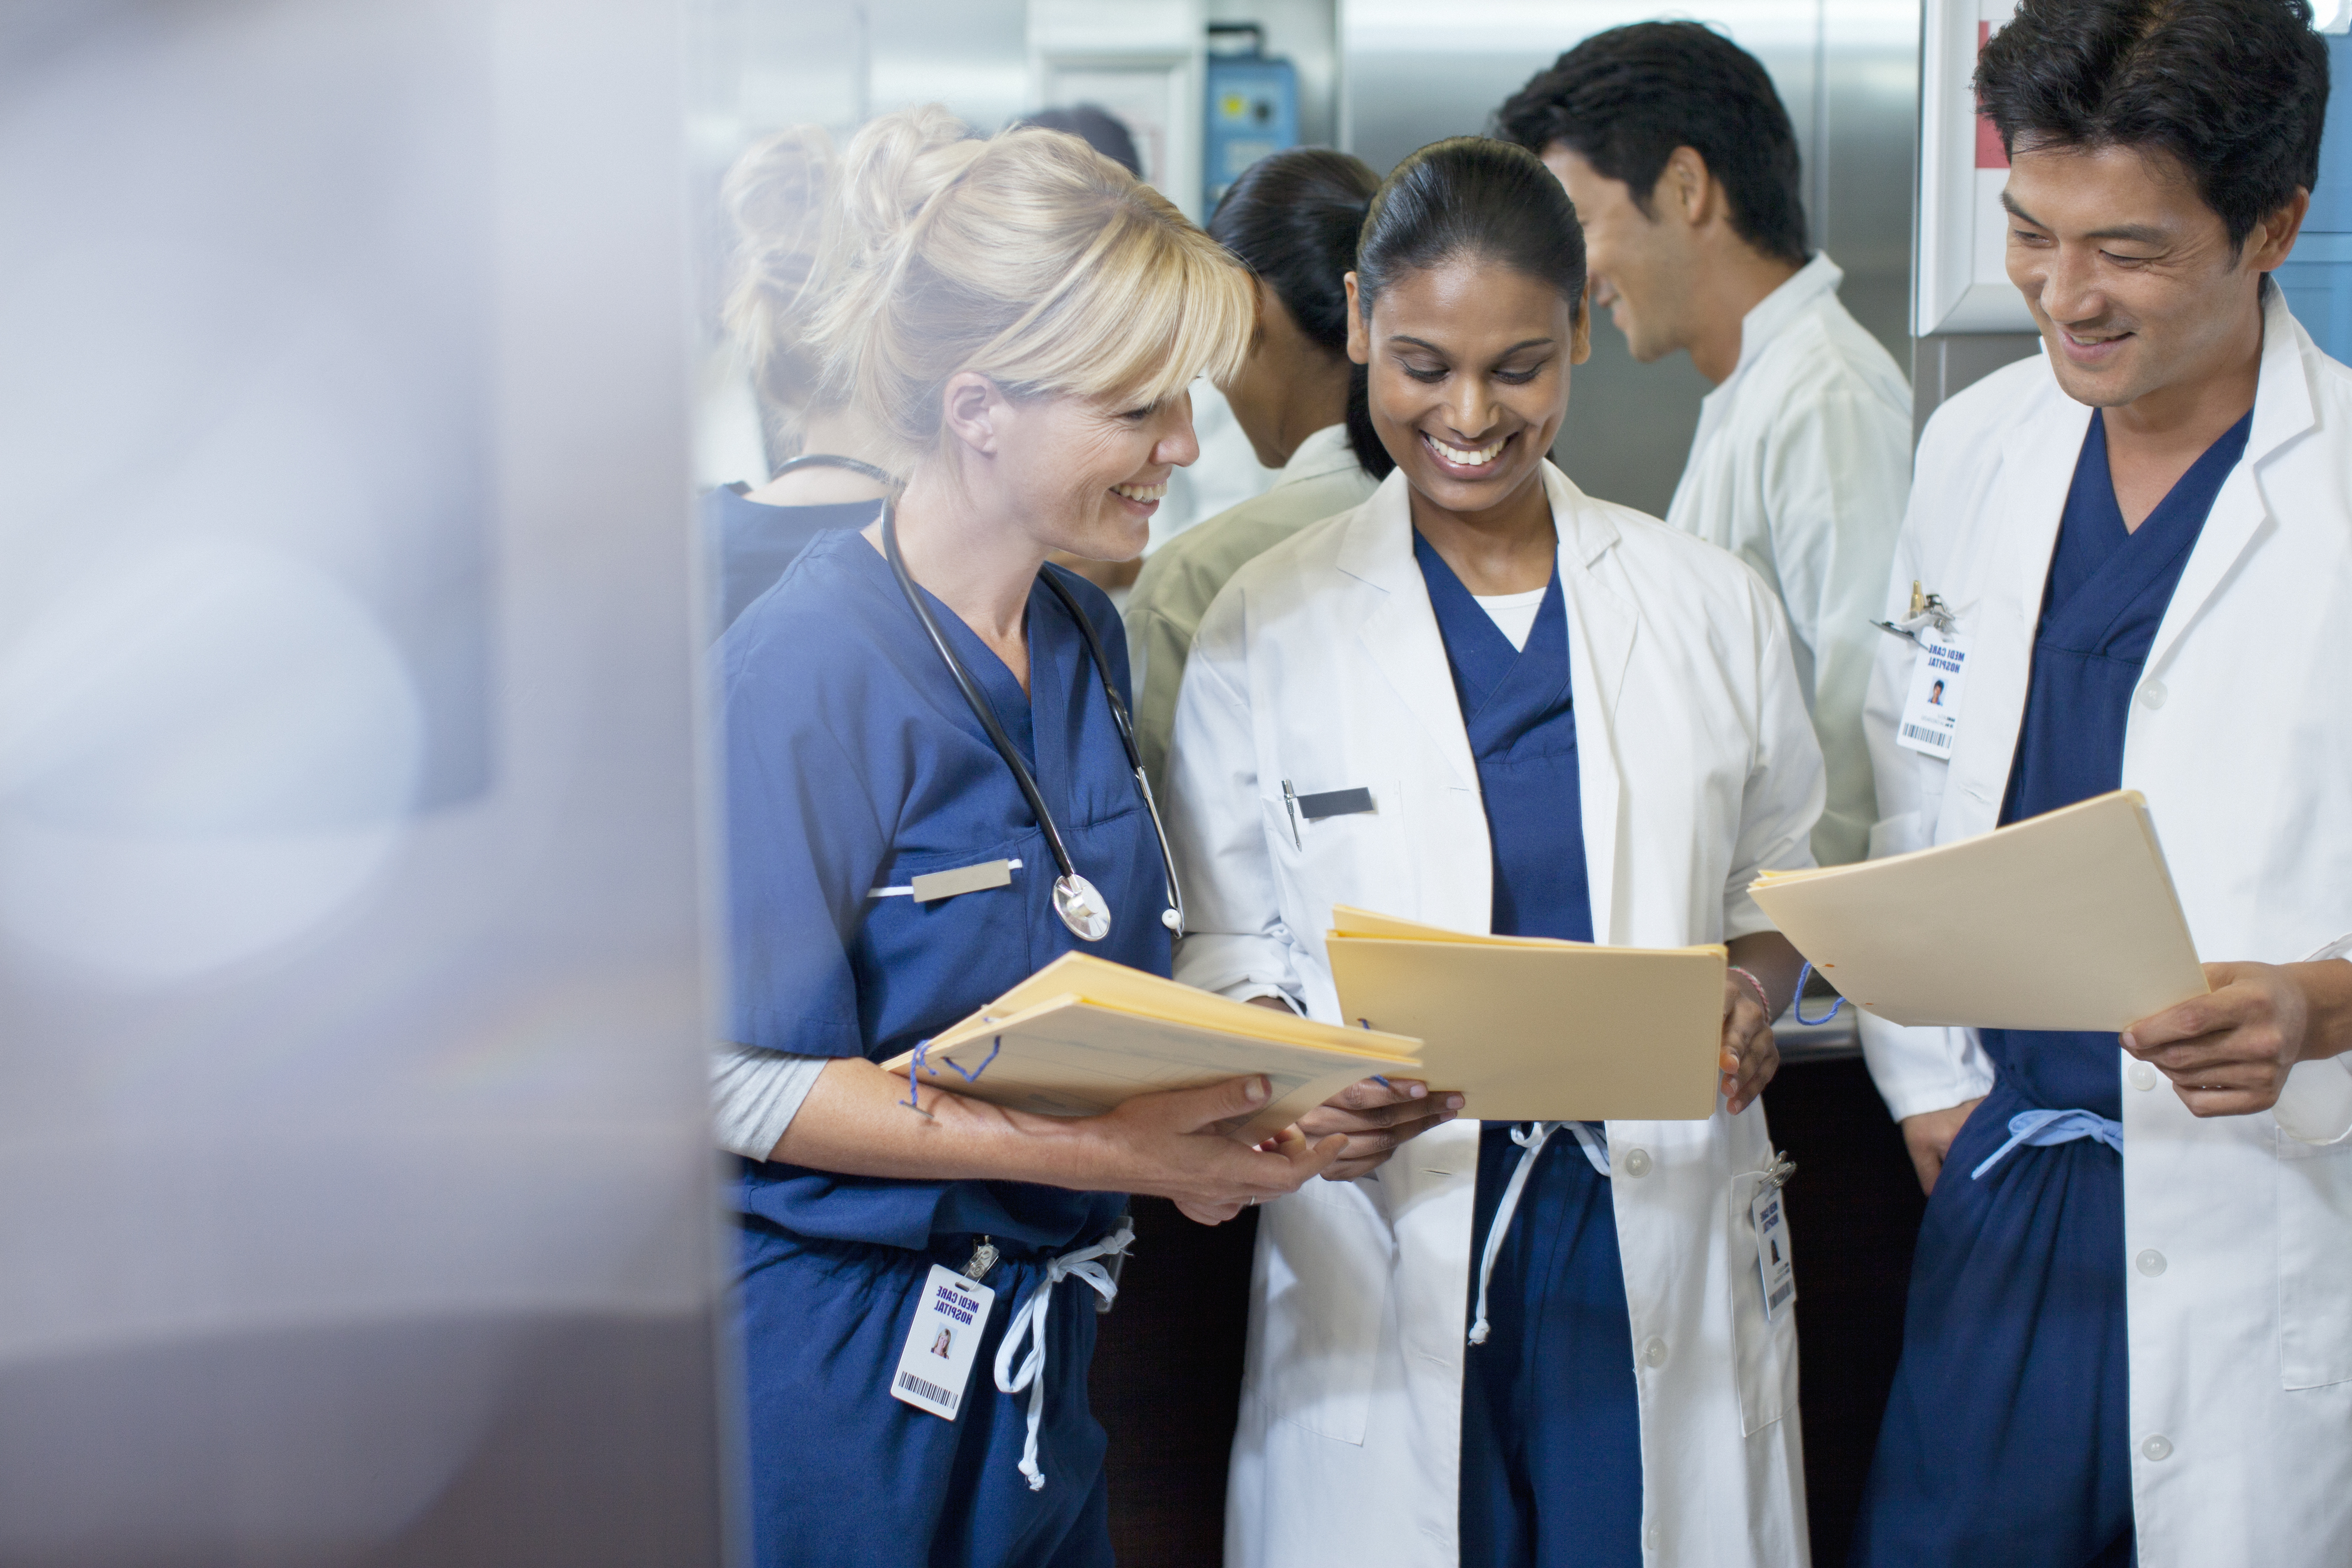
<point x="1080" y="904"/>
<point x="1081" y="908"/>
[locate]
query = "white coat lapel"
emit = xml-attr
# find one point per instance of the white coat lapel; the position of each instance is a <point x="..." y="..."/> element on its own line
<point x="1400" y="636"/>
<point x="2026" y="504"/>
<point x="1601" y="626"/>
<point x="2282" y="411"/>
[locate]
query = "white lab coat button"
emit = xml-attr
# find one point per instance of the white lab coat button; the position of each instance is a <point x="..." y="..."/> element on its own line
<point x="1653" y="1352"/>
<point x="2156" y="1448"/>
<point x="1654" y="1537"/>
<point x="2141" y="1076"/>
<point x="1637" y="1162"/>
<point x="2150" y="1263"/>
<point x="2151" y="694"/>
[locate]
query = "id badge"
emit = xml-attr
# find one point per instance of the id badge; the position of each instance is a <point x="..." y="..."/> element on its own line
<point x="1779" y="1269"/>
<point x="1931" y="714"/>
<point x="936" y="1364"/>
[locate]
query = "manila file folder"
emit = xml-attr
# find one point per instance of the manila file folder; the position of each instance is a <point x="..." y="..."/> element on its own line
<point x="2065" y="920"/>
<point x="1531" y="1029"/>
<point x="1082" y="1035"/>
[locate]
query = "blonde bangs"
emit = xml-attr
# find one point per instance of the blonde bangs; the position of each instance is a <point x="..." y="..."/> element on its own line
<point x="1158" y="305"/>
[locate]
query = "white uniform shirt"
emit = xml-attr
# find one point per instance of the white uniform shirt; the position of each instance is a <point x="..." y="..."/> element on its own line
<point x="1800" y="467"/>
<point x="2237" y="1229"/>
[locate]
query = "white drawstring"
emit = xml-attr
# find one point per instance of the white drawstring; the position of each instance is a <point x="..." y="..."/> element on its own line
<point x="1531" y="1138"/>
<point x="1084" y="1264"/>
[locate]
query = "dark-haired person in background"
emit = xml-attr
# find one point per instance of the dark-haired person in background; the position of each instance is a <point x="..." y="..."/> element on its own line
<point x="1098" y="128"/>
<point x="1292" y="219"/>
<point x="1682" y="166"/>
<point x="2129" y="1334"/>
<point x="1538" y="714"/>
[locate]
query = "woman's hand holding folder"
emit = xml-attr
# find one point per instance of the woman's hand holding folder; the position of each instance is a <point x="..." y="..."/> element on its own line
<point x="1764" y="969"/>
<point x="1376" y="1115"/>
<point x="1176" y="1144"/>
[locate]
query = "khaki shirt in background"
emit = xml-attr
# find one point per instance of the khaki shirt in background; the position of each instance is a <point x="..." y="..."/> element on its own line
<point x="1802" y="467"/>
<point x="1179" y="579"/>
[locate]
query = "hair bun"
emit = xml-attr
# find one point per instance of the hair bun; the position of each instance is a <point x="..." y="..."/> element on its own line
<point x="896" y="165"/>
<point x="775" y="194"/>
<point x="1029" y="258"/>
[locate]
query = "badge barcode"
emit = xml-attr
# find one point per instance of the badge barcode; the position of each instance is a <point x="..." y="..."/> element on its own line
<point x="1921" y="732"/>
<point x="1782" y="1294"/>
<point x="913" y="1385"/>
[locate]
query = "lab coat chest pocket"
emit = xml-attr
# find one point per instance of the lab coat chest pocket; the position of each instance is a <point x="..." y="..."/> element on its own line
<point x="1352" y="857"/>
<point x="1329" y="1256"/>
<point x="2314" y="1263"/>
<point x="1763" y="1348"/>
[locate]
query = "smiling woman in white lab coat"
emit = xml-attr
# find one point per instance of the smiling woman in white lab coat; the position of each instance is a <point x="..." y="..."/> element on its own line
<point x="1507" y="707"/>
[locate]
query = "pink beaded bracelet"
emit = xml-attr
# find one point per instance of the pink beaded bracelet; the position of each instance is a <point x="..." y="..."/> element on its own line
<point x="1763" y="997"/>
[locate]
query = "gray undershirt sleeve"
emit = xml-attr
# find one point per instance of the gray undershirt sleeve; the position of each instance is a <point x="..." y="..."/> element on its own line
<point x="755" y="1093"/>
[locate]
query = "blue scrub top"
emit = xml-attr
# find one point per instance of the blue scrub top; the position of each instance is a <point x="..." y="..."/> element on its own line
<point x="854" y="763"/>
<point x="754" y="542"/>
<point x="1517" y="707"/>
<point x="2108" y="589"/>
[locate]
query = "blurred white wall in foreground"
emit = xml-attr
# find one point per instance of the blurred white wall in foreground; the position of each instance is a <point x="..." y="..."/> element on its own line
<point x="355" y="1192"/>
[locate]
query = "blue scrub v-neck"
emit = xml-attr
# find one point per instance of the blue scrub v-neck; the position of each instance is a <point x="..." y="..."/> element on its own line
<point x="1519" y="711"/>
<point x="854" y="763"/>
<point x="2007" y="1436"/>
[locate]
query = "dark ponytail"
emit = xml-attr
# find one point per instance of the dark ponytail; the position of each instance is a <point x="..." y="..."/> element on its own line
<point x="1293" y="219"/>
<point x="1468" y="196"/>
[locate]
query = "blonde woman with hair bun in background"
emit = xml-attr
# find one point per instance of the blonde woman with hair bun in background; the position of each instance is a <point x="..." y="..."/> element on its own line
<point x="1016" y="320"/>
<point x="776" y="194"/>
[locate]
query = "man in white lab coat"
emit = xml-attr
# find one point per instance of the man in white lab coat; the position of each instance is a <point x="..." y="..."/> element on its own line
<point x="2129" y="1334"/>
<point x="1682" y="166"/>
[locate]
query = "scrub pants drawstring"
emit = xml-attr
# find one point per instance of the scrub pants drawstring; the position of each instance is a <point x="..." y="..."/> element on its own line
<point x="1531" y="1138"/>
<point x="1084" y="1264"/>
<point x="2044" y="1128"/>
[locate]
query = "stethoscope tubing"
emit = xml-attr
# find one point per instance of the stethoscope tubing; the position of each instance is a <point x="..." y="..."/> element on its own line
<point x="835" y="460"/>
<point x="978" y="702"/>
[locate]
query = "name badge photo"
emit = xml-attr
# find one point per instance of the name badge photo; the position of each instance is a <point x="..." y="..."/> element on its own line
<point x="936" y="1364"/>
<point x="1931" y="714"/>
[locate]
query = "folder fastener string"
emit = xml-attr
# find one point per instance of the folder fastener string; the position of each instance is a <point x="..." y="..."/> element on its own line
<point x="1798" y="1006"/>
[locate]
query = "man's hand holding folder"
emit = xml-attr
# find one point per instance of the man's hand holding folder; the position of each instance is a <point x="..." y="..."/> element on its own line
<point x="2070" y="922"/>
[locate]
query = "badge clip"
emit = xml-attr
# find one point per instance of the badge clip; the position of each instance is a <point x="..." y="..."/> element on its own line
<point x="1927" y="609"/>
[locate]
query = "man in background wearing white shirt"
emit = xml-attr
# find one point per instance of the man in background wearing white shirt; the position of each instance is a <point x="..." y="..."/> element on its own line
<point x="1682" y="166"/>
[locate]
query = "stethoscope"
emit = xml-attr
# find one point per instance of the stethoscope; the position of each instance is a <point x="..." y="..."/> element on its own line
<point x="1081" y="906"/>
<point x="834" y="460"/>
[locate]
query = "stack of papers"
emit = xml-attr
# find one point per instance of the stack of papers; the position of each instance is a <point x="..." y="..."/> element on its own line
<point x="1083" y="1035"/>
<point x="2066" y="921"/>
<point x="1529" y="1029"/>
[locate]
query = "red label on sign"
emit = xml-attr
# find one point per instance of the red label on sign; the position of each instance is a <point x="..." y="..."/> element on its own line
<point x="1990" y="152"/>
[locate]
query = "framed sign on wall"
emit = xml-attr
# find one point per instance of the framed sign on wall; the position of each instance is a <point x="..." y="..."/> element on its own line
<point x="1141" y="61"/>
<point x="1958" y="283"/>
